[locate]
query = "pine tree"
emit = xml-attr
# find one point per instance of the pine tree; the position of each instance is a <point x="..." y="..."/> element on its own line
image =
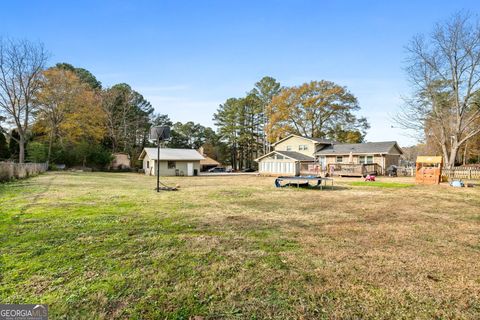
<point x="4" y="151"/>
<point x="13" y="147"/>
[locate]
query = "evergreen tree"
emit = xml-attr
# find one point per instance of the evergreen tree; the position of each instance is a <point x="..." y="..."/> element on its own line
<point x="128" y="119"/>
<point x="227" y="120"/>
<point x="264" y="91"/>
<point x="13" y="147"/>
<point x="36" y="152"/>
<point x="84" y="75"/>
<point x="4" y="151"/>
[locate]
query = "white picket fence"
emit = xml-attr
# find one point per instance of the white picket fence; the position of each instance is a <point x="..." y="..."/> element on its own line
<point x="462" y="173"/>
<point x="10" y="170"/>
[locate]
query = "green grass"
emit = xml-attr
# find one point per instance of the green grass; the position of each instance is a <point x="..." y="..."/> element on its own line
<point x="106" y="246"/>
<point x="378" y="184"/>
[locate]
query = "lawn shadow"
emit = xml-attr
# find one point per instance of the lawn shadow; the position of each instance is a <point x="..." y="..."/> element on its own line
<point x="306" y="186"/>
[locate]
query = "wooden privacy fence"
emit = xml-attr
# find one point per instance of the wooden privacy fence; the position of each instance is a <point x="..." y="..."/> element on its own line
<point x="472" y="173"/>
<point x="11" y="170"/>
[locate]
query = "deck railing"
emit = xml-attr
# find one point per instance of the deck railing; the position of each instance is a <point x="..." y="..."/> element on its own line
<point x="346" y="169"/>
<point x="309" y="169"/>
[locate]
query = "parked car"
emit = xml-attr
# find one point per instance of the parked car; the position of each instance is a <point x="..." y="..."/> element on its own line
<point x="216" y="170"/>
<point x="248" y="170"/>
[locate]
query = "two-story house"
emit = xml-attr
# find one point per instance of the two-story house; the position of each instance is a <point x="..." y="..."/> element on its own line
<point x="296" y="154"/>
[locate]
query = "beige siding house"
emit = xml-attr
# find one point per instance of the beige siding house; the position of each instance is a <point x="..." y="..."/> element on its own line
<point x="290" y="155"/>
<point x="295" y="155"/>
<point x="173" y="162"/>
<point x="384" y="154"/>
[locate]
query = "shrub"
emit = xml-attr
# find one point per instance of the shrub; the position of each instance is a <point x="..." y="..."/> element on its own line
<point x="36" y="152"/>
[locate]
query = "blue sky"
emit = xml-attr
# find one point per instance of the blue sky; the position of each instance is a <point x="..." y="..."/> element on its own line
<point x="187" y="57"/>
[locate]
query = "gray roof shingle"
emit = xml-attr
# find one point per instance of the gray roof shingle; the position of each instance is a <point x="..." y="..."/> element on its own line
<point x="171" y="154"/>
<point x="317" y="140"/>
<point x="368" y="147"/>
<point x="321" y="140"/>
<point x="295" y="155"/>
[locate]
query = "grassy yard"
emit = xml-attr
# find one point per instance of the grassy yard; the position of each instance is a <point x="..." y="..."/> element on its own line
<point x="106" y="246"/>
<point x="378" y="184"/>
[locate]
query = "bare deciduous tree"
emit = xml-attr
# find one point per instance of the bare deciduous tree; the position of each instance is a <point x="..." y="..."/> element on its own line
<point x="21" y="66"/>
<point x="444" y="69"/>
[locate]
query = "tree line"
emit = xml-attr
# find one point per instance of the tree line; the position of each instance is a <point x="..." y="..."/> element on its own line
<point x="270" y="111"/>
<point x="62" y="114"/>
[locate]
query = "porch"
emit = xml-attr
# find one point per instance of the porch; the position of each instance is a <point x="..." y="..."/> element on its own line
<point x="340" y="169"/>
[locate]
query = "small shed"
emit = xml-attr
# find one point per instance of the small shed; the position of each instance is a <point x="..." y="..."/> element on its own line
<point x="121" y="161"/>
<point x="173" y="162"/>
<point x="428" y="170"/>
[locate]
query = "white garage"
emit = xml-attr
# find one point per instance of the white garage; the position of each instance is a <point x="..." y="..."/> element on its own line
<point x="282" y="163"/>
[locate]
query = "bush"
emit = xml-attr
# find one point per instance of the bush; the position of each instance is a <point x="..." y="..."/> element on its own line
<point x="99" y="157"/>
<point x="36" y="152"/>
<point x="83" y="154"/>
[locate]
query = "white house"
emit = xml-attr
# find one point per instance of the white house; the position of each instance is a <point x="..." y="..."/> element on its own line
<point x="173" y="162"/>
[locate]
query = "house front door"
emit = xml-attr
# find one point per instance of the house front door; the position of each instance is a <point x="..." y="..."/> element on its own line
<point x="189" y="168"/>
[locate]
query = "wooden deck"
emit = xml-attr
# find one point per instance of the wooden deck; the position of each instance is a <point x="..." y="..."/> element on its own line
<point x="354" y="170"/>
<point x="342" y="169"/>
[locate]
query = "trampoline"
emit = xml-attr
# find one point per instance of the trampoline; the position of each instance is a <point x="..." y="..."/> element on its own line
<point x="304" y="181"/>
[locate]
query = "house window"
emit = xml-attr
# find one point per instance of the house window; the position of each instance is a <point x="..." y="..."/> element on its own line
<point x="302" y="147"/>
<point x="365" y="159"/>
<point x="339" y="159"/>
<point x="322" y="161"/>
<point x="289" y="148"/>
<point x="171" y="164"/>
<point x="148" y="164"/>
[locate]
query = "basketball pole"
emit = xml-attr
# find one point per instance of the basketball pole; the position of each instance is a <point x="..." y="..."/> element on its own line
<point x="158" y="165"/>
<point x="159" y="134"/>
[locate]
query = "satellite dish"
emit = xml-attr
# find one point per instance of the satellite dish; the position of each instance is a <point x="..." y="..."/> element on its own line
<point x="160" y="133"/>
